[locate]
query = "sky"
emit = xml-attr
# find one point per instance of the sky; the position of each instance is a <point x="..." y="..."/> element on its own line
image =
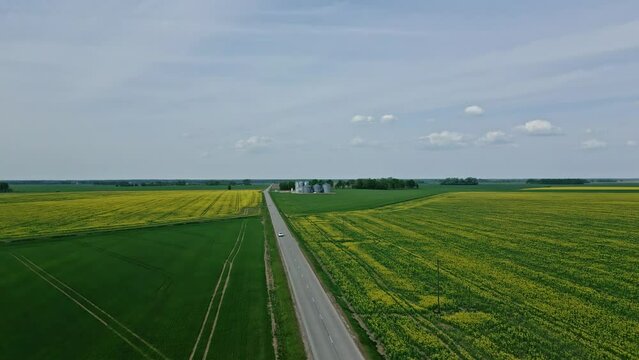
<point x="318" y="89"/>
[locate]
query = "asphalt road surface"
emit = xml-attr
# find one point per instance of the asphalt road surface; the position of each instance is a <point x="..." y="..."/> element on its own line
<point x="324" y="330"/>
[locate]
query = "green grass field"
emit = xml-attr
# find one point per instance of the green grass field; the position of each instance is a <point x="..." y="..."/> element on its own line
<point x="138" y="294"/>
<point x="522" y="274"/>
<point x="350" y="199"/>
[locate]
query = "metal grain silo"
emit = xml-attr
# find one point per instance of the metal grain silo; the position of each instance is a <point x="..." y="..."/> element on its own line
<point x="317" y="188"/>
<point x="326" y="187"/>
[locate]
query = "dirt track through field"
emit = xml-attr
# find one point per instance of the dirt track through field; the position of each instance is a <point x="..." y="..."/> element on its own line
<point x="226" y="282"/>
<point x="227" y="263"/>
<point x="49" y="278"/>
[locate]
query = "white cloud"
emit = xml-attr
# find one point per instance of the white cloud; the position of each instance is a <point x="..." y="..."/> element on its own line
<point x="496" y="137"/>
<point x="253" y="143"/>
<point x="358" y="141"/>
<point x="474" y="110"/>
<point x="362" y="118"/>
<point x="388" y="118"/>
<point x="444" y="140"/>
<point x="540" y="128"/>
<point x="593" y="144"/>
<point x="631" y="143"/>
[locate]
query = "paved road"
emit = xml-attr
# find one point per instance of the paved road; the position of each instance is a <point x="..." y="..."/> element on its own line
<point x="324" y="330"/>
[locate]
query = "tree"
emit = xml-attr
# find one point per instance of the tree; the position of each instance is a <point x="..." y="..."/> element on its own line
<point x="4" y="187"/>
<point x="460" y="181"/>
<point x="229" y="187"/>
<point x="287" y="185"/>
<point x="246" y="182"/>
<point x="557" y="181"/>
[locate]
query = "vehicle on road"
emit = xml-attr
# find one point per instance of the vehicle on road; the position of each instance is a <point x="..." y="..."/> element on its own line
<point x="279" y="234"/>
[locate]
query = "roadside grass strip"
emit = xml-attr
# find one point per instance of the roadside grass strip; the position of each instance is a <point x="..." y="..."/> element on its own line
<point x="143" y="347"/>
<point x="225" y="273"/>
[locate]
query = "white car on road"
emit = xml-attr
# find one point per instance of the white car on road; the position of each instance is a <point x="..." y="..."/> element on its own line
<point x="279" y="234"/>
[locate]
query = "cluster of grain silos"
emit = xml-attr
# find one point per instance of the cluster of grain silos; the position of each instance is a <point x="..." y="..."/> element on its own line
<point x="304" y="187"/>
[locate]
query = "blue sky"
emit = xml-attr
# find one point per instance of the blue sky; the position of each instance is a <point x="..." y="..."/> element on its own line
<point x="304" y="89"/>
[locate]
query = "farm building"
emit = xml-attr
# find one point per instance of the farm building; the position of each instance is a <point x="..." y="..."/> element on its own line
<point x="304" y="187"/>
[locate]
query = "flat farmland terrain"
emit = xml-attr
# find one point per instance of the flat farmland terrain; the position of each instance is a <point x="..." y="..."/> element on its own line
<point x="521" y="274"/>
<point x="358" y="199"/>
<point x="44" y="214"/>
<point x="184" y="291"/>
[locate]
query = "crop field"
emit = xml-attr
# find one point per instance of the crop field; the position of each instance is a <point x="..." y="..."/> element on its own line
<point x="43" y="214"/>
<point x="521" y="274"/>
<point x="40" y="188"/>
<point x="356" y="199"/>
<point x="586" y="188"/>
<point x="191" y="291"/>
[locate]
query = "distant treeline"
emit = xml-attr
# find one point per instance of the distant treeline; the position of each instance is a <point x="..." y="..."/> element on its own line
<point x="460" y="181"/>
<point x="287" y="185"/>
<point x="4" y="187"/>
<point x="557" y="181"/>
<point x="140" y="182"/>
<point x="378" y="184"/>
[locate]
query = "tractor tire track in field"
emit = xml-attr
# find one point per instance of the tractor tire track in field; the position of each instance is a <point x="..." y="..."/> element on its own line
<point x="148" y="351"/>
<point x="228" y="263"/>
<point x="504" y="298"/>
<point x="226" y="282"/>
<point x="449" y="343"/>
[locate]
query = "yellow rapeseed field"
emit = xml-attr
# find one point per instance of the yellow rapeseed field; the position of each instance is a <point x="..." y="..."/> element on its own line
<point x="37" y="214"/>
<point x="522" y="274"/>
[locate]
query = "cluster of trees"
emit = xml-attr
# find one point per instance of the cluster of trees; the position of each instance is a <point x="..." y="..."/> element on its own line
<point x="287" y="185"/>
<point x="150" y="183"/>
<point x="230" y="183"/>
<point x="557" y="181"/>
<point x="379" y="184"/>
<point x="120" y="183"/>
<point x="4" y="187"/>
<point x="460" y="181"/>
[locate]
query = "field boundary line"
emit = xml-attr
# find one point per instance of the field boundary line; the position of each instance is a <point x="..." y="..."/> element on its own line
<point x="60" y="282"/>
<point x="84" y="308"/>
<point x="217" y="285"/>
<point x="226" y="282"/>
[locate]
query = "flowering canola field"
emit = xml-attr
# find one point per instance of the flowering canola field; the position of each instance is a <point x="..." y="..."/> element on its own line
<point x="522" y="274"/>
<point x="43" y="214"/>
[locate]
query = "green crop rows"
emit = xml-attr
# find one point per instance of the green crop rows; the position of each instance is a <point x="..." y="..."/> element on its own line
<point x="139" y="293"/>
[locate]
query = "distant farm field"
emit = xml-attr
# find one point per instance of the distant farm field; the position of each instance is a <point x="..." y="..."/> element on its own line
<point x="27" y="215"/>
<point x="522" y="274"/>
<point x="586" y="188"/>
<point x="40" y="188"/>
<point x="356" y="199"/>
<point x="155" y="293"/>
